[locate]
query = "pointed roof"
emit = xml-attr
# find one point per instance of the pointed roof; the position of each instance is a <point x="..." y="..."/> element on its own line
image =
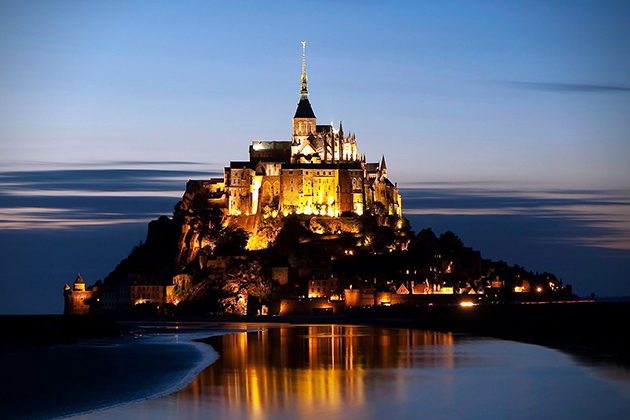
<point x="383" y="164"/>
<point x="79" y="279"/>
<point x="402" y="290"/>
<point x="304" y="110"/>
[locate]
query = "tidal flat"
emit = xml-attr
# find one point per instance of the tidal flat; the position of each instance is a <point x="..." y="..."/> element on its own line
<point x="306" y="371"/>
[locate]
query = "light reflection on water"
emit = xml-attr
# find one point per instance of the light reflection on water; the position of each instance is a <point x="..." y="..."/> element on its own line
<point x="310" y="368"/>
<point x="329" y="372"/>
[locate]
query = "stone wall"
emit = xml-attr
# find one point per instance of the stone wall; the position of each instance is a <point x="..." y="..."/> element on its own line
<point x="305" y="306"/>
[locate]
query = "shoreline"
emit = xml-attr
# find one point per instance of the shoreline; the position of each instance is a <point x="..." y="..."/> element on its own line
<point x="70" y="380"/>
<point x="580" y="330"/>
<point x="167" y="388"/>
<point x="588" y="330"/>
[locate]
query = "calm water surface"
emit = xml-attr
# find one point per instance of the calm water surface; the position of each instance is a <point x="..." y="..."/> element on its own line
<point x="356" y="372"/>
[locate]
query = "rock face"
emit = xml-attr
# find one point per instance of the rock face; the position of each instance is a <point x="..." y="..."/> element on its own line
<point x="200" y="217"/>
<point x="202" y="221"/>
<point x="210" y="262"/>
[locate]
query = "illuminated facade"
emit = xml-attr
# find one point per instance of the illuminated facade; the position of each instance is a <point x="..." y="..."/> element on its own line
<point x="77" y="299"/>
<point x="319" y="171"/>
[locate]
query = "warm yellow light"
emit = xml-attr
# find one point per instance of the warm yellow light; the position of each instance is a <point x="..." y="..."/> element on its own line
<point x="539" y="289"/>
<point x="467" y="304"/>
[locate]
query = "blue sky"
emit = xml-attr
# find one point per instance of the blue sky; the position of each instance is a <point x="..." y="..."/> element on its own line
<point x="515" y="111"/>
<point x="531" y="92"/>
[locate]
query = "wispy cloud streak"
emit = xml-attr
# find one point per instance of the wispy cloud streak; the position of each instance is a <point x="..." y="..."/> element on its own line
<point x="565" y="87"/>
<point x="22" y="218"/>
<point x="84" y="193"/>
<point x="603" y="215"/>
<point x="62" y="199"/>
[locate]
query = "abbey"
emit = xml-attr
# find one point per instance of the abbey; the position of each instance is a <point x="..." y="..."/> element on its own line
<point x="319" y="171"/>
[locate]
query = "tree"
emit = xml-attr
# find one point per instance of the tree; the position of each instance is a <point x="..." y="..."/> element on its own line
<point x="450" y="242"/>
<point x="231" y="241"/>
<point x="292" y="230"/>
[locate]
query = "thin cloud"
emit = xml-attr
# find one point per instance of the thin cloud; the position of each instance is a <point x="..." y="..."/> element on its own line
<point x="445" y="211"/>
<point x="98" y="182"/>
<point x="87" y="193"/>
<point x="565" y="87"/>
<point x="605" y="215"/>
<point x="23" y="218"/>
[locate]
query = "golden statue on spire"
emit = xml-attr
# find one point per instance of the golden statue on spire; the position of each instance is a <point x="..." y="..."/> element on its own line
<point x="304" y="79"/>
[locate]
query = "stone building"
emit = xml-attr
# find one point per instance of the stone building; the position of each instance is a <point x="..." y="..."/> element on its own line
<point x="319" y="171"/>
<point x="324" y="288"/>
<point x="77" y="300"/>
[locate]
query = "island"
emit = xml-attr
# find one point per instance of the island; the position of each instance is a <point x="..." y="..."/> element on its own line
<point x="304" y="226"/>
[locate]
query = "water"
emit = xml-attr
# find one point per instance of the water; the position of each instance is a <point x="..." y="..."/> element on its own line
<point x="358" y="372"/>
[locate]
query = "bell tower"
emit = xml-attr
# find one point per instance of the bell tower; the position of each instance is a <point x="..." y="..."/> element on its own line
<point x="304" y="120"/>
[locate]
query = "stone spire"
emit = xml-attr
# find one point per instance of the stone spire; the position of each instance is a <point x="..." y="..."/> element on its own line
<point x="304" y="109"/>
<point x="304" y="79"/>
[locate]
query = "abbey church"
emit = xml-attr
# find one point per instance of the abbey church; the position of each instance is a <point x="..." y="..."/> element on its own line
<point x="319" y="171"/>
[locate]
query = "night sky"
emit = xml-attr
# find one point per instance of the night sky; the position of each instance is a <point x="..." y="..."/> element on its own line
<point x="506" y="122"/>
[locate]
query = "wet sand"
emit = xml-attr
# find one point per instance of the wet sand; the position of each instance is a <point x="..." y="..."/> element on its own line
<point x="45" y="383"/>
